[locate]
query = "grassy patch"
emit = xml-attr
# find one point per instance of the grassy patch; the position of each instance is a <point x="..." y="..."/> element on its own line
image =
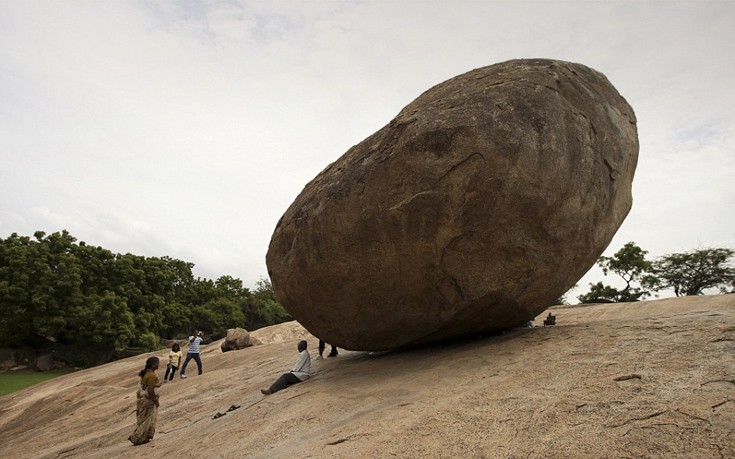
<point x="11" y="381"/>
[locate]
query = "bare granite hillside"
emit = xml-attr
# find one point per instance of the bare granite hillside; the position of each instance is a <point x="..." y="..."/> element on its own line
<point x="653" y="379"/>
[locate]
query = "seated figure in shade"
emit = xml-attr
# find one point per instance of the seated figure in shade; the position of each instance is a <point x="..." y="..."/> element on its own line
<point x="300" y="371"/>
<point x="550" y="320"/>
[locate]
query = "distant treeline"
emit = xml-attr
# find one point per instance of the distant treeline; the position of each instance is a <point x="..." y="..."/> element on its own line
<point x="686" y="273"/>
<point x="53" y="288"/>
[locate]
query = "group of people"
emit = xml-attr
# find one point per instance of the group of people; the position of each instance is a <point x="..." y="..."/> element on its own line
<point x="174" y="357"/>
<point x="149" y="384"/>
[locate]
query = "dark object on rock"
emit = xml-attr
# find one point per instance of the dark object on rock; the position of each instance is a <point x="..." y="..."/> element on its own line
<point x="237" y="338"/>
<point x="479" y="205"/>
<point x="550" y="320"/>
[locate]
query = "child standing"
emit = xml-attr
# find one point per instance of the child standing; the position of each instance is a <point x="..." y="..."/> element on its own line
<point x="174" y="359"/>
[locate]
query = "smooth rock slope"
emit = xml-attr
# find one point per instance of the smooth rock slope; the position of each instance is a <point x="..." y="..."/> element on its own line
<point x="652" y="379"/>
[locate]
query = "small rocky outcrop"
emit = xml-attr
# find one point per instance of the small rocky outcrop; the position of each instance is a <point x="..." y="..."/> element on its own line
<point x="7" y="359"/>
<point x="473" y="210"/>
<point x="45" y="362"/>
<point x="238" y="338"/>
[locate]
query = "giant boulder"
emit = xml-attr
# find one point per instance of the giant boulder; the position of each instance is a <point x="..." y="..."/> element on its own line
<point x="473" y="210"/>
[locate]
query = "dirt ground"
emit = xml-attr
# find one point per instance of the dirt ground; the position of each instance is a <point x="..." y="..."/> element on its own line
<point x="653" y="379"/>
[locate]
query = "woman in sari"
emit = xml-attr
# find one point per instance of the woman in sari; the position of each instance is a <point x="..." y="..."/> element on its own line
<point x="147" y="408"/>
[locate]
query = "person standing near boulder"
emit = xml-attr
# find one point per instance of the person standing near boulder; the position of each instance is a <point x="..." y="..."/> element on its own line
<point x="193" y="353"/>
<point x="300" y="371"/>
<point x="322" y="346"/>
<point x="147" y="405"/>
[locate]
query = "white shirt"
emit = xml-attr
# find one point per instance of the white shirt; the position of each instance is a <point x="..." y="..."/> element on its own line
<point x="303" y="366"/>
<point x="194" y="345"/>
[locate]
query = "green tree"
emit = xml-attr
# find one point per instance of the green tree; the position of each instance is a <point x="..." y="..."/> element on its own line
<point x="631" y="265"/>
<point x="229" y="287"/>
<point x="55" y="289"/>
<point x="177" y="319"/>
<point x="104" y="321"/>
<point x="217" y="315"/>
<point x="691" y="273"/>
<point x="40" y="284"/>
<point x="601" y="293"/>
<point x="261" y="308"/>
<point x="16" y="316"/>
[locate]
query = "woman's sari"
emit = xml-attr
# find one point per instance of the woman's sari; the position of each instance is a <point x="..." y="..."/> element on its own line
<point x="147" y="412"/>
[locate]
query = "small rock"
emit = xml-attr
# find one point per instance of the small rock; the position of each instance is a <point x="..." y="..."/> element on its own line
<point x="237" y="338"/>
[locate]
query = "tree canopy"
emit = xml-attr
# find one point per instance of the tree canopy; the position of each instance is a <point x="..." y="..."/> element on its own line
<point x="52" y="287"/>
<point x="691" y="273"/>
<point x="688" y="273"/>
<point x="630" y="264"/>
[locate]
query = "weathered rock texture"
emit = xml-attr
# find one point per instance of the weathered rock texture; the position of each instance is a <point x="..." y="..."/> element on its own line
<point x="473" y="210"/>
<point x="237" y="338"/>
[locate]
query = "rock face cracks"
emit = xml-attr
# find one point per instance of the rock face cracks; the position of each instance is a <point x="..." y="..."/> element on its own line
<point x="473" y="210"/>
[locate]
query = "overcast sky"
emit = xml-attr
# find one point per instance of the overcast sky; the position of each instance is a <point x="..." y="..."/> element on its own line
<point x="187" y="128"/>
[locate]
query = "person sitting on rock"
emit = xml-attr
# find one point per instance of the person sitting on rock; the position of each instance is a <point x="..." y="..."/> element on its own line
<point x="322" y="345"/>
<point x="300" y="371"/>
<point x="550" y="320"/>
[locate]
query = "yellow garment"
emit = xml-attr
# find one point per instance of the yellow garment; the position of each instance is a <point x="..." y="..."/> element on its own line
<point x="147" y="415"/>
<point x="149" y="379"/>
<point x="174" y="358"/>
<point x="146" y="410"/>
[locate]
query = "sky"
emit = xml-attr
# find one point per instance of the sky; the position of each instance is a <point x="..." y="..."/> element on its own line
<point x="187" y="128"/>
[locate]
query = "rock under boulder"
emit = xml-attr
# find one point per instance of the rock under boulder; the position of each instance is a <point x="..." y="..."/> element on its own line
<point x="473" y="210"/>
<point x="237" y="338"/>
